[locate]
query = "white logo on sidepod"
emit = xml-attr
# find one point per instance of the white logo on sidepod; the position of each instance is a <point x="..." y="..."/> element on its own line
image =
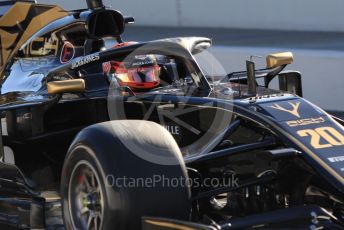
<point x="336" y="159"/>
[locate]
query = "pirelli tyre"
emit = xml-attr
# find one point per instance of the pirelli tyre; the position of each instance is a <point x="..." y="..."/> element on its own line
<point x="100" y="157"/>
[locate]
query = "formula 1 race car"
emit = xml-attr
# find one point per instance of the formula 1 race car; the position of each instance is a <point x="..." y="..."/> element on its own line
<point x="98" y="133"/>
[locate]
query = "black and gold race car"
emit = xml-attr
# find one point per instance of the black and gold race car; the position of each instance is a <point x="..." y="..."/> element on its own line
<point x="98" y="133"/>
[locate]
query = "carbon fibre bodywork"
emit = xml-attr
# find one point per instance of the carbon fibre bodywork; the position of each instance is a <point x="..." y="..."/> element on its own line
<point x="274" y="140"/>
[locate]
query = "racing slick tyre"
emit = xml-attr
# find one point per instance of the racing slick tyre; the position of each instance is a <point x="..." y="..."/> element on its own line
<point x="93" y="189"/>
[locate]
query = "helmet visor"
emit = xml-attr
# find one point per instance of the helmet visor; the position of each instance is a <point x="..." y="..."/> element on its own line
<point x="139" y="78"/>
<point x="144" y="74"/>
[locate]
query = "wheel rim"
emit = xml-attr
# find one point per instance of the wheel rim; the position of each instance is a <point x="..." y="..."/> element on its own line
<point x="85" y="197"/>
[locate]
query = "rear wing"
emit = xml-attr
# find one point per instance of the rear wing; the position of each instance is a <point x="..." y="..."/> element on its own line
<point x="19" y="21"/>
<point x="6" y="5"/>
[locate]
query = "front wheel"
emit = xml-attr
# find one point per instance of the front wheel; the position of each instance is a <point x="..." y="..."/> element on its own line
<point x="86" y="197"/>
<point x="100" y="152"/>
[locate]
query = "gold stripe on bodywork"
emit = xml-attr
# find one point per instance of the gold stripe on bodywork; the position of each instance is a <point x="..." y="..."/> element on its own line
<point x="169" y="225"/>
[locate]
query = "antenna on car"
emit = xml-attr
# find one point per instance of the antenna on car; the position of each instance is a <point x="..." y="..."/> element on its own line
<point x="95" y="4"/>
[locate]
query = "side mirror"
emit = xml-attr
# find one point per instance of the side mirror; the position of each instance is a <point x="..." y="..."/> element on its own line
<point x="290" y="81"/>
<point x="279" y="59"/>
<point x="129" y="20"/>
<point x="95" y="4"/>
<point x="105" y="23"/>
<point x="67" y="86"/>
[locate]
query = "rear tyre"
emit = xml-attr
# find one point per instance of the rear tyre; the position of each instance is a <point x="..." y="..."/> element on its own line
<point x="93" y="188"/>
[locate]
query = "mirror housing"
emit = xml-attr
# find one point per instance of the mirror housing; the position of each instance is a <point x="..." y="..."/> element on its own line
<point x="290" y="81"/>
<point x="67" y="86"/>
<point x="279" y="59"/>
<point x="105" y="23"/>
<point x="129" y="20"/>
<point x="95" y="4"/>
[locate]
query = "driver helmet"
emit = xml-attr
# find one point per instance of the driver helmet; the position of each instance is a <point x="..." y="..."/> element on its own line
<point x="139" y="73"/>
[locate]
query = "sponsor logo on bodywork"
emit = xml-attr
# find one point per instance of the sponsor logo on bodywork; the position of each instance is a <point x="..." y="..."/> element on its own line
<point x="262" y="97"/>
<point x="4" y="127"/>
<point x="173" y="129"/>
<point x="336" y="159"/>
<point x="107" y="67"/>
<point x="68" y="52"/>
<point x="85" y="60"/>
<point x="307" y="121"/>
<point x="294" y="109"/>
<point x="43" y="46"/>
